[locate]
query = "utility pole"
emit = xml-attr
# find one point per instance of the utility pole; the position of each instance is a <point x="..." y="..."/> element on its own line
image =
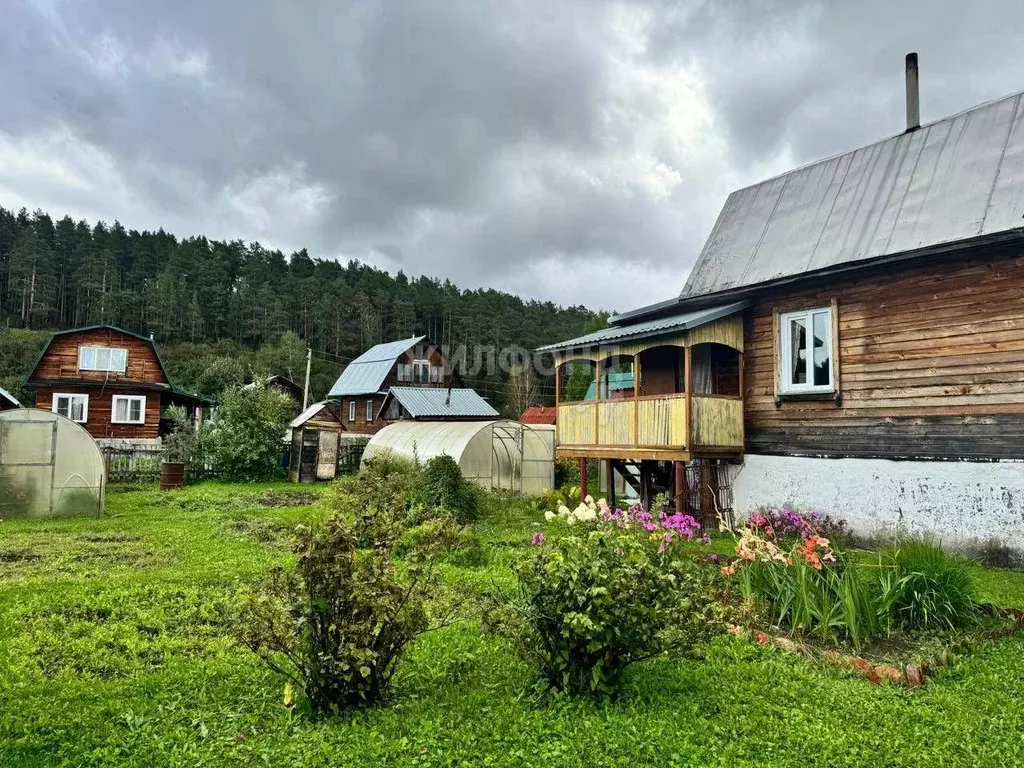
<point x="305" y="389"/>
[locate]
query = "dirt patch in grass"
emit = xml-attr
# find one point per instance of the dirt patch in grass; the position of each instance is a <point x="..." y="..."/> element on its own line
<point x="19" y="556"/>
<point x="274" y="499"/>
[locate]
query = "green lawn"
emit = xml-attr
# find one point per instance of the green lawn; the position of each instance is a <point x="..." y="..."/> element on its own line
<point x="115" y="649"/>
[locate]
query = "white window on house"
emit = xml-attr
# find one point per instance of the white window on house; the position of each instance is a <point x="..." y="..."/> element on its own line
<point x="806" y="353"/>
<point x="369" y="411"/>
<point x="421" y="371"/>
<point x="351" y="410"/>
<point x="405" y="372"/>
<point x="436" y="374"/>
<point x="128" y="409"/>
<point x="74" y="407"/>
<point x="112" y="359"/>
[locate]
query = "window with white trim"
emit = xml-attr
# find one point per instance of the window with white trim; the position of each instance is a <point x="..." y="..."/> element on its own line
<point x="128" y="409"/>
<point x="74" y="407"/>
<point x="806" y="353"/>
<point x="351" y="410"/>
<point x="421" y="371"/>
<point x="369" y="411"/>
<point x="111" y="359"/>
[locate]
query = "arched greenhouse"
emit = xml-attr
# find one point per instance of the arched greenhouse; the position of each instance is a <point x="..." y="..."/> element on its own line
<point x="498" y="454"/>
<point x="49" y="466"/>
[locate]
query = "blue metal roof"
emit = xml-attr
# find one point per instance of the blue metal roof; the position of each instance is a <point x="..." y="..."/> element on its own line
<point x="659" y="327"/>
<point x="433" y="403"/>
<point x="616" y="382"/>
<point x="366" y="373"/>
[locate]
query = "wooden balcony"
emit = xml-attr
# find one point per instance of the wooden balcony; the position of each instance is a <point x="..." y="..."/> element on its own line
<point x="672" y="427"/>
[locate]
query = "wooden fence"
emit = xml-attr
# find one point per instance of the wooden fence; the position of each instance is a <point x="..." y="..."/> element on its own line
<point x="136" y="466"/>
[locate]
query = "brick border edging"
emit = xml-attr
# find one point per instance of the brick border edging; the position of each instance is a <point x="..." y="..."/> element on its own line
<point x="911" y="675"/>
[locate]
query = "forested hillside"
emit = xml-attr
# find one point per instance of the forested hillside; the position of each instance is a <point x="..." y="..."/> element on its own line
<point x="224" y="311"/>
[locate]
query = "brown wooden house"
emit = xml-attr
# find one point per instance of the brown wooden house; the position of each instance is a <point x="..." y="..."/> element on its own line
<point x="366" y="381"/>
<point x="110" y="381"/>
<point x="851" y="339"/>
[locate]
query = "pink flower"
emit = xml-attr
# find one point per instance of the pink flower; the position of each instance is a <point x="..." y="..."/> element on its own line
<point x="537" y="540"/>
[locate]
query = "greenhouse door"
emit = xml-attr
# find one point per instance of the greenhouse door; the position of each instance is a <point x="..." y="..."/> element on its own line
<point x="507" y="457"/>
<point x="27" y="454"/>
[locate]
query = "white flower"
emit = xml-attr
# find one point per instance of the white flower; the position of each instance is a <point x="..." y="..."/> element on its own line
<point x="563" y="510"/>
<point x="549" y="515"/>
<point x="589" y="499"/>
<point x="602" y="503"/>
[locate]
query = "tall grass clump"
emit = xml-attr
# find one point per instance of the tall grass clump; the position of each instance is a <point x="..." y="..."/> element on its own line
<point x="933" y="589"/>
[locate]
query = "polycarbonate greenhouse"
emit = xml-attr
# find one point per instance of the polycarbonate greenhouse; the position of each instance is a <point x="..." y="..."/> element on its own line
<point x="496" y="454"/>
<point x="49" y="466"/>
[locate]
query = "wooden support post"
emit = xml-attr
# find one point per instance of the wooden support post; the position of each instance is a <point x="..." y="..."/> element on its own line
<point x="611" y="483"/>
<point x="680" y="486"/>
<point x="583" y="479"/>
<point x="688" y="381"/>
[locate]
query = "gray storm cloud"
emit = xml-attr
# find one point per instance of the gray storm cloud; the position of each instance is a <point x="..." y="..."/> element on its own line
<point x="573" y="151"/>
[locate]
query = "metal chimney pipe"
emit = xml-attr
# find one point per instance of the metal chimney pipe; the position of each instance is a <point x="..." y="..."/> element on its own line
<point x="913" y="95"/>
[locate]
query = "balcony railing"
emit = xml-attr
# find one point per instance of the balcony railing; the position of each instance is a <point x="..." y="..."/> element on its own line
<point x="653" y="422"/>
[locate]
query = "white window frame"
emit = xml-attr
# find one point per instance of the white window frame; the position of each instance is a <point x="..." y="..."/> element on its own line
<point x="87" y="349"/>
<point x="351" y="410"/>
<point x="130" y="398"/>
<point x="369" y="411"/>
<point x="421" y="365"/>
<point x="786" y="351"/>
<point x="71" y="397"/>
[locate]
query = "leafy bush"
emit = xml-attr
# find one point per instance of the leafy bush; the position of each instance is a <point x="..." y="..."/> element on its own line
<point x="567" y="473"/>
<point x="337" y="625"/>
<point x="445" y="488"/>
<point x="380" y="499"/>
<point x="598" y="601"/>
<point x="247" y="438"/>
<point x="932" y="588"/>
<point x="182" y="444"/>
<point x="444" y="537"/>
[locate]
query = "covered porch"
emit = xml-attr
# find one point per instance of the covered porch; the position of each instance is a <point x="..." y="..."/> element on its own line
<point x="667" y="390"/>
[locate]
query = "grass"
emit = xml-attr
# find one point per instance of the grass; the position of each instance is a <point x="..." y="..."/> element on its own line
<point x="115" y="648"/>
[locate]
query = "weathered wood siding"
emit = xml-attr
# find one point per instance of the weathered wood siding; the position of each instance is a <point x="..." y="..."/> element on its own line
<point x="717" y="421"/>
<point x="616" y="422"/>
<point x="931" y="365"/>
<point x="101" y="402"/>
<point x="576" y="424"/>
<point x="60" y="360"/>
<point x="662" y="421"/>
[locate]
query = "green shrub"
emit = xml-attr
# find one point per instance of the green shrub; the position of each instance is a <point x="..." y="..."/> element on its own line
<point x="337" y="625"/>
<point x="454" y="543"/>
<point x="445" y="488"/>
<point x="379" y="500"/>
<point x="932" y="589"/>
<point x="596" y="602"/>
<point x="247" y="438"/>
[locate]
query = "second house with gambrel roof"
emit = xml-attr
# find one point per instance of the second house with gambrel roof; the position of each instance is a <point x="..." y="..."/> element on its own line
<point x="366" y="381"/>
<point x="109" y="380"/>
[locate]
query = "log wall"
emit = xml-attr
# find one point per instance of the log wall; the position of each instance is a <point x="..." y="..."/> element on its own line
<point x="931" y="365"/>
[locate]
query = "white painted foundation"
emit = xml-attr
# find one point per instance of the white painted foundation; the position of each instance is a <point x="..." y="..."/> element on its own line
<point x="962" y="503"/>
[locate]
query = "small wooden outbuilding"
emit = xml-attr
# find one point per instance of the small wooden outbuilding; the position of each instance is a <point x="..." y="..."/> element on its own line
<point x="321" y="446"/>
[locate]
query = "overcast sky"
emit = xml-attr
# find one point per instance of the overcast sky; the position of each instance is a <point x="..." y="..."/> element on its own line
<point x="573" y="151"/>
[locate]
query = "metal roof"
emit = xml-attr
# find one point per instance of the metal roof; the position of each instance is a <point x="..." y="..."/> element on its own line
<point x="5" y="395"/>
<point x="433" y="403"/>
<point x="661" y="326"/>
<point x="366" y="373"/>
<point x="616" y="382"/>
<point x="956" y="179"/>
<point x="308" y="414"/>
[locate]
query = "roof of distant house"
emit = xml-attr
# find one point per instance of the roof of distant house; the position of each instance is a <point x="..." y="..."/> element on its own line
<point x="9" y="398"/>
<point x="440" y="403"/>
<point x="366" y="374"/>
<point x="538" y="414"/>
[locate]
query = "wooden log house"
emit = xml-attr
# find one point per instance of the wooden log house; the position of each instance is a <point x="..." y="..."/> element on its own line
<point x="873" y="303"/>
<point x="110" y="381"/>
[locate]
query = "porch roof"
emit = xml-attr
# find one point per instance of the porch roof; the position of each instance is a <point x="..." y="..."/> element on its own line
<point x="651" y="328"/>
